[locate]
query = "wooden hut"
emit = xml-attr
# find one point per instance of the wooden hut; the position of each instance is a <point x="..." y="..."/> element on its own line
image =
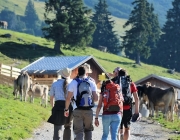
<point x="45" y="69"/>
<point x="160" y="81"/>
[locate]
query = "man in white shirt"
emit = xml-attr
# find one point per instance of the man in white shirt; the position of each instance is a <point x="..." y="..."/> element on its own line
<point x="83" y="114"/>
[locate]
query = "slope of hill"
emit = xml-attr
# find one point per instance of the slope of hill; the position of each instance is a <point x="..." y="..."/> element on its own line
<point x="20" y="54"/>
<point x="120" y="10"/>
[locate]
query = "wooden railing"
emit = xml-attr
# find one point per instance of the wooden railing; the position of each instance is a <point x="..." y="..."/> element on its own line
<point x="9" y="71"/>
<point x="6" y="80"/>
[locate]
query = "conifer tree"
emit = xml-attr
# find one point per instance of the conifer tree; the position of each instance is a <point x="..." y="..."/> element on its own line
<point x="168" y="46"/>
<point x="104" y="34"/>
<point x="31" y="17"/>
<point x="71" y="26"/>
<point x="135" y="40"/>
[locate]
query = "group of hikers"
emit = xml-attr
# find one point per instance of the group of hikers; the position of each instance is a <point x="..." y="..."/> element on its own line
<point x="72" y="101"/>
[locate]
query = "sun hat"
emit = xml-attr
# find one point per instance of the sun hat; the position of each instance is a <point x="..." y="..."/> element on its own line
<point x="66" y="72"/>
<point x="117" y="69"/>
<point x="87" y="67"/>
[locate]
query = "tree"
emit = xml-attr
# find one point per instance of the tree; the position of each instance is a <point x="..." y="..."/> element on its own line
<point x="135" y="40"/>
<point x="104" y="34"/>
<point x="31" y="18"/>
<point x="71" y="26"/>
<point x="153" y="36"/>
<point x="168" y="46"/>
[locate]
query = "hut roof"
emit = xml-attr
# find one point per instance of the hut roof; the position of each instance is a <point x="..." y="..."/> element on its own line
<point x="53" y="64"/>
<point x="173" y="82"/>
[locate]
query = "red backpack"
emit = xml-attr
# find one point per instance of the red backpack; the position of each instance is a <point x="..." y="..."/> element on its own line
<point x="112" y="97"/>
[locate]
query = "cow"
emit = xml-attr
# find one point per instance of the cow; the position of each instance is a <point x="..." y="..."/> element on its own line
<point x="37" y="90"/>
<point x="158" y="97"/>
<point x="22" y="85"/>
<point x="177" y="109"/>
<point x="3" y="24"/>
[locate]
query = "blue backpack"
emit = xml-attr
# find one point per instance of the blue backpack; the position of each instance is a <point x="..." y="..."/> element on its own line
<point x="84" y="98"/>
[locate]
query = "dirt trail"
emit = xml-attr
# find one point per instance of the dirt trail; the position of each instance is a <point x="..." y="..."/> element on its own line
<point x="142" y="130"/>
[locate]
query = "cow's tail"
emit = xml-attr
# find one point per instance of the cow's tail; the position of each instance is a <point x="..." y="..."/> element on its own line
<point x="174" y="91"/>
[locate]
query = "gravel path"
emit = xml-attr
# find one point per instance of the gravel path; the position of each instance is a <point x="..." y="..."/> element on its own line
<point x="142" y="130"/>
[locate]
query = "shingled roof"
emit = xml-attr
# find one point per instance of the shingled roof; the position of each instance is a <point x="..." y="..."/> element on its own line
<point x="54" y="64"/>
<point x="170" y="81"/>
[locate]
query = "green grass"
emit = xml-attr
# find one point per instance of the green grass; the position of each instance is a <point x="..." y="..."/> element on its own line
<point x="18" y="119"/>
<point x="175" y="125"/>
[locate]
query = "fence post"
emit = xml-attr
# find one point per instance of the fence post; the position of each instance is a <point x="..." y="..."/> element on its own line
<point x="11" y="72"/>
<point x="0" y="68"/>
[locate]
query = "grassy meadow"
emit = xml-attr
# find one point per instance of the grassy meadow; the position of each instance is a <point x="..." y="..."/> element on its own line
<point x="18" y="119"/>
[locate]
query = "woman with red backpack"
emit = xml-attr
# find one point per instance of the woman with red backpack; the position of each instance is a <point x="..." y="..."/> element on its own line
<point x="112" y="101"/>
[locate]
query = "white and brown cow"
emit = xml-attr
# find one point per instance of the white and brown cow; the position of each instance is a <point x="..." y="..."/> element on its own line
<point x="3" y="24"/>
<point x="158" y="97"/>
<point x="22" y="85"/>
<point x="37" y="90"/>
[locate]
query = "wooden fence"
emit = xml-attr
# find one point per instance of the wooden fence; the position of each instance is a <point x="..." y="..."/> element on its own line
<point x="6" y="80"/>
<point x="8" y="74"/>
<point x="9" y="71"/>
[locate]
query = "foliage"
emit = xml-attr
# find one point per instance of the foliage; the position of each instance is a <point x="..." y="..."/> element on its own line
<point x="168" y="46"/>
<point x="153" y="37"/>
<point x="104" y="34"/>
<point x="31" y="19"/>
<point x="70" y="25"/>
<point x="144" y="32"/>
<point x="18" y="119"/>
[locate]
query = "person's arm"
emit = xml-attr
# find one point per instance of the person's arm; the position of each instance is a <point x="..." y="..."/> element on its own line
<point x="135" y="95"/>
<point x="98" y="110"/>
<point x="52" y="101"/>
<point x="95" y="96"/>
<point x="67" y="103"/>
<point x="94" y="91"/>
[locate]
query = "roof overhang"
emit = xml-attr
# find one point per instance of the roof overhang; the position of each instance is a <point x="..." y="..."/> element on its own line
<point x="157" y="77"/>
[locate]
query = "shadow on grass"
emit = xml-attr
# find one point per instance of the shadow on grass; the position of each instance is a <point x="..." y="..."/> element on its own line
<point x="115" y="61"/>
<point x="25" y="51"/>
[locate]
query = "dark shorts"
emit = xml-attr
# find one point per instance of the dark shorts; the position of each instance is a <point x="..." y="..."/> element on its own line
<point x="126" y="119"/>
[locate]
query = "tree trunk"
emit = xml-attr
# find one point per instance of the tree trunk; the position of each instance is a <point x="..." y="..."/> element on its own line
<point x="57" y="46"/>
<point x="138" y="60"/>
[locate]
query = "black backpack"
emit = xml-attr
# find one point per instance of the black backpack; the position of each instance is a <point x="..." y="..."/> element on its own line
<point x="125" y="84"/>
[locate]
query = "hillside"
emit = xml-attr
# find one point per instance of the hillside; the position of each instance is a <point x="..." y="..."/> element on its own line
<point x="120" y="10"/>
<point x="20" y="54"/>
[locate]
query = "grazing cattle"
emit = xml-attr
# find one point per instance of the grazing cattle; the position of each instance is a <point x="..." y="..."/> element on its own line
<point x="160" y="98"/>
<point x="41" y="91"/>
<point x="177" y="109"/>
<point x="22" y="85"/>
<point x="3" y="24"/>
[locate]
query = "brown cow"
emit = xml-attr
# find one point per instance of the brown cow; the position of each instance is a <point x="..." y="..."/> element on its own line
<point x="3" y="24"/>
<point x="161" y="98"/>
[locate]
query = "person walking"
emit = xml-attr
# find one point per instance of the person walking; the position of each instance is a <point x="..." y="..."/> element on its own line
<point x="127" y="108"/>
<point x="58" y="93"/>
<point x="84" y="93"/>
<point x="111" y="119"/>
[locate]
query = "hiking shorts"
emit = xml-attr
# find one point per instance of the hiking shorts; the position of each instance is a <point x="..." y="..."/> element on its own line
<point x="126" y="119"/>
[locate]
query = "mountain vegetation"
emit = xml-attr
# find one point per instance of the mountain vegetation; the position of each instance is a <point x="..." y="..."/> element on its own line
<point x="145" y="31"/>
<point x="104" y="34"/>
